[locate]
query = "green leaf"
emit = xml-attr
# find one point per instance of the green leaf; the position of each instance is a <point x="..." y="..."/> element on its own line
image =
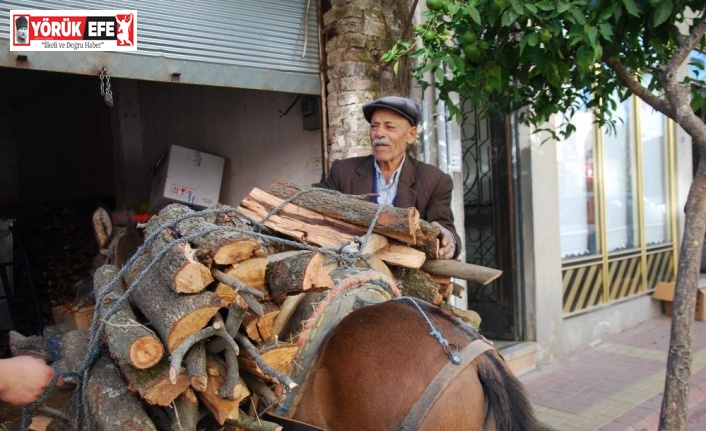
<point x="532" y="39"/>
<point x="508" y="17"/>
<point x="606" y="31"/>
<point x="579" y="17"/>
<point x="475" y="16"/>
<point x="663" y="12"/>
<point x="592" y="34"/>
<point x="517" y="7"/>
<point x="531" y="8"/>
<point x="546" y="5"/>
<point x="563" y="7"/>
<point x="584" y="58"/>
<point x="395" y="67"/>
<point x="631" y="7"/>
<point x="439" y="74"/>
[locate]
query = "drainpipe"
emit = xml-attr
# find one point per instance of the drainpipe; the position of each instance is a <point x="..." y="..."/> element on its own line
<point x="441" y="136"/>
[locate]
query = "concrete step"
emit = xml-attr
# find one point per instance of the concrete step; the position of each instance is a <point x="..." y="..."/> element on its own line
<point x="520" y="356"/>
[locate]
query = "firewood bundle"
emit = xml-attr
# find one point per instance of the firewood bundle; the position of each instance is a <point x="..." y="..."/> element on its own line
<point x="208" y="314"/>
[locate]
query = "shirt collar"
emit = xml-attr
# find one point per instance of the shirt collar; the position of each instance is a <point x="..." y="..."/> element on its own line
<point x="395" y="175"/>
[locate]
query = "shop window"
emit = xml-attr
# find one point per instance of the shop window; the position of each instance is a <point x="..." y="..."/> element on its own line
<point x="614" y="197"/>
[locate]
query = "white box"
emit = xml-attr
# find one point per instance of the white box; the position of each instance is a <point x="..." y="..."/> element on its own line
<point x="187" y="176"/>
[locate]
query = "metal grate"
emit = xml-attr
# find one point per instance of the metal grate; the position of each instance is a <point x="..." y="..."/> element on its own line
<point x="481" y="248"/>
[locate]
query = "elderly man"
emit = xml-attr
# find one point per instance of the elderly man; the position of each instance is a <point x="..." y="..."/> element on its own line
<point x="395" y="177"/>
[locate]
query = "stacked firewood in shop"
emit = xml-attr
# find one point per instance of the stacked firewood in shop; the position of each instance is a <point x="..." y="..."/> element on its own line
<point x="200" y="336"/>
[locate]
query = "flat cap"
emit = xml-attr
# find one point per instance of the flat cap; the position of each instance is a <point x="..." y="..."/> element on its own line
<point x="408" y="108"/>
<point x="21" y="22"/>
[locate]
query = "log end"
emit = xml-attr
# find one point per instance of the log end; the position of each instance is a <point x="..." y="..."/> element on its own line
<point x="146" y="352"/>
<point x="193" y="277"/>
<point x="189" y="324"/>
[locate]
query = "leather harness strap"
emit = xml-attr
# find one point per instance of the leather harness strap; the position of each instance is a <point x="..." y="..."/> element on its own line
<point x="448" y="373"/>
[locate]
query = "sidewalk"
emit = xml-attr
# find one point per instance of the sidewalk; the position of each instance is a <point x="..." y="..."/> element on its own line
<point x="617" y="385"/>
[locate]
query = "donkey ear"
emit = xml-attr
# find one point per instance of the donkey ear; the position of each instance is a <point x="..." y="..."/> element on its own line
<point x="102" y="226"/>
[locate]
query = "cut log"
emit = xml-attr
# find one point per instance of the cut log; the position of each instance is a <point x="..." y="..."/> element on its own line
<point x="259" y="328"/>
<point x="186" y="412"/>
<point x="279" y="357"/>
<point x="417" y="283"/>
<point x="251" y="272"/>
<point x="293" y="272"/>
<point x="215" y="242"/>
<point x="221" y="408"/>
<point x="154" y="385"/>
<point x="378" y="265"/>
<point x="465" y="271"/>
<point x="110" y="402"/>
<point x="469" y="316"/>
<point x="128" y="340"/>
<point x="195" y="361"/>
<point x="286" y="311"/>
<point x="399" y="223"/>
<point x="401" y="255"/>
<point x="174" y="316"/>
<point x="178" y="265"/>
<point x="299" y="223"/>
<point x="374" y="243"/>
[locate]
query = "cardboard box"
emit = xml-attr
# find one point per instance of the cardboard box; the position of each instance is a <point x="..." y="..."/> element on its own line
<point x="186" y="176"/>
<point x="80" y="317"/>
<point x="665" y="292"/>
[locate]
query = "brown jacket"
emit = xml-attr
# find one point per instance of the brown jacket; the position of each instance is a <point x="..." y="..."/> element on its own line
<point x="421" y="186"/>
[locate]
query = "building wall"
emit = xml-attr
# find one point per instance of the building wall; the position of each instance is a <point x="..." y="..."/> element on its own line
<point x="555" y="333"/>
<point x="253" y="130"/>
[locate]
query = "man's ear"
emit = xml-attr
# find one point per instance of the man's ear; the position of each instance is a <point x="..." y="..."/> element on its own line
<point x="412" y="134"/>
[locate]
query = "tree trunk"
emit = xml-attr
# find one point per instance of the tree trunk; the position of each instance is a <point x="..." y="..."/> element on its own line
<point x="675" y="402"/>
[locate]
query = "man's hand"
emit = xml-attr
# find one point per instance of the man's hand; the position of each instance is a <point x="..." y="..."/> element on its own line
<point x="447" y="243"/>
<point x="23" y="379"/>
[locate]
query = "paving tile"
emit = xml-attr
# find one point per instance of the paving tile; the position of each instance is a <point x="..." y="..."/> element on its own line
<point x="617" y="385"/>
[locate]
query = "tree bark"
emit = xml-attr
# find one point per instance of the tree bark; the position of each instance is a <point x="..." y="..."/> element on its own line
<point x="675" y="402"/>
<point x="466" y="271"/>
<point x="399" y="223"/>
<point x="174" y="316"/>
<point x="293" y="272"/>
<point x="296" y="222"/>
<point x="128" y="340"/>
<point x="110" y="402"/>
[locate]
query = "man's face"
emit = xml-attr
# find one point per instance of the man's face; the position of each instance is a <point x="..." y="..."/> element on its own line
<point x="22" y="33"/>
<point x="390" y="133"/>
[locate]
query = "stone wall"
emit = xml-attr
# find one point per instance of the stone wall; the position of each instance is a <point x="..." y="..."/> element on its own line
<point x="356" y="34"/>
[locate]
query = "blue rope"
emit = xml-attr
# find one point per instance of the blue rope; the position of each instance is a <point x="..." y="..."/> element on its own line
<point x="434" y="333"/>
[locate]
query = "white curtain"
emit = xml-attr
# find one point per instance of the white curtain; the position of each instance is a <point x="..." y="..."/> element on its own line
<point x="619" y="169"/>
<point x="654" y="177"/>
<point x="576" y="170"/>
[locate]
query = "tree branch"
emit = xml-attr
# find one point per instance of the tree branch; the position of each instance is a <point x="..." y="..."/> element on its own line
<point x="638" y="89"/>
<point x="678" y="93"/>
<point x="687" y="45"/>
